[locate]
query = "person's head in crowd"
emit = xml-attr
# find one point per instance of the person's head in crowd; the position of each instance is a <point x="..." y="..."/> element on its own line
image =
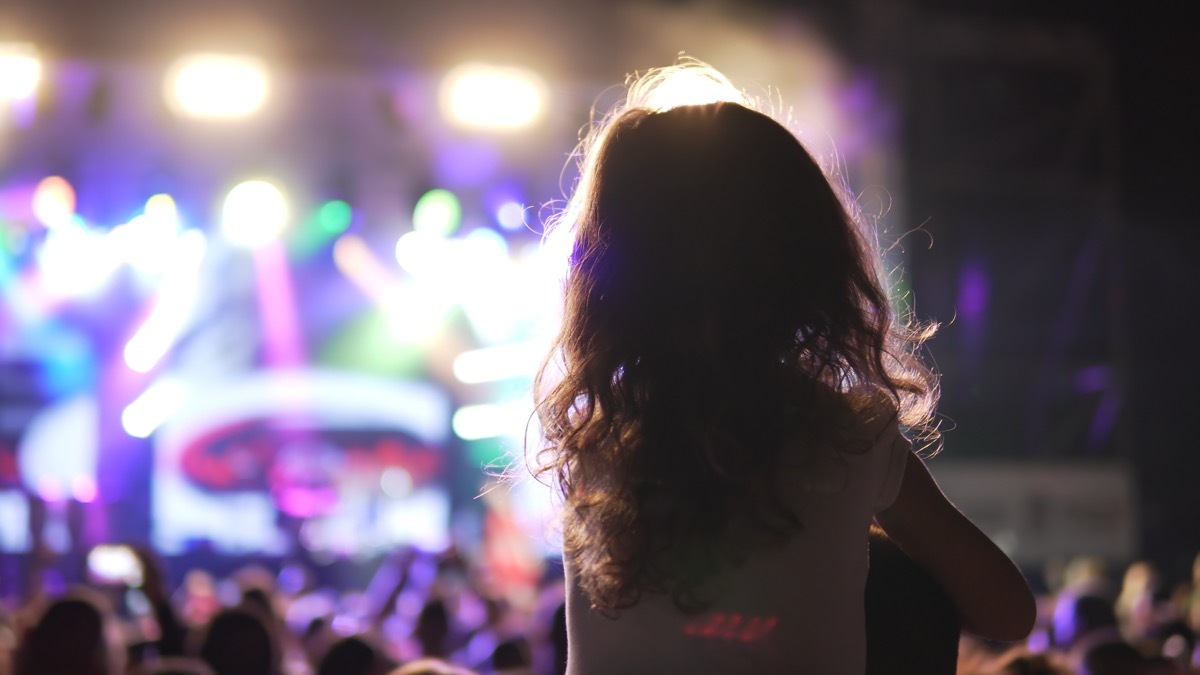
<point x="258" y="599"/>
<point x="354" y="655"/>
<point x="1086" y="574"/>
<point x="1135" y="604"/>
<point x="316" y="639"/>
<point x="1110" y="658"/>
<point x="175" y="666"/>
<point x="255" y="577"/>
<point x="1083" y="616"/>
<point x="237" y="642"/>
<point x="431" y="666"/>
<point x="198" y="596"/>
<point x="76" y="634"/>
<point x="513" y="655"/>
<point x="433" y="628"/>
<point x="912" y="625"/>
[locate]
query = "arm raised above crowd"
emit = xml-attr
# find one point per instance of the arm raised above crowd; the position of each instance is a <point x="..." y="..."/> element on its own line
<point x="991" y="595"/>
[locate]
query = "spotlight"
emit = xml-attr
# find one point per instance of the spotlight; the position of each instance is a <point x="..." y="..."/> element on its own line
<point x="214" y="86"/>
<point x="492" y="98"/>
<point x="511" y="215"/>
<point x="53" y="202"/>
<point x="255" y="214"/>
<point x="437" y="212"/>
<point x="20" y="70"/>
<point x="692" y="86"/>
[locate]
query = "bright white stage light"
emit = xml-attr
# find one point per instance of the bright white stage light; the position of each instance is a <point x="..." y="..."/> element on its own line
<point x="20" y="71"/>
<point x="494" y="98"/>
<point x="75" y="261"/>
<point x="153" y="407"/>
<point x="489" y="420"/>
<point x="147" y="241"/>
<point x="172" y="308"/>
<point x="255" y="213"/>
<point x="690" y="85"/>
<point x="53" y="202"/>
<point x="216" y="86"/>
<point x="492" y="364"/>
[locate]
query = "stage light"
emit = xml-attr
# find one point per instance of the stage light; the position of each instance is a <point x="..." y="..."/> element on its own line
<point x="493" y="364"/>
<point x="153" y="407"/>
<point x="255" y="213"/>
<point x="75" y="261"/>
<point x="53" y="202"/>
<point x="146" y="241"/>
<point x="485" y="284"/>
<point x="415" y="313"/>
<point x="437" y="212"/>
<point x="172" y="307"/>
<point x="333" y="218"/>
<point x="20" y="71"/>
<point x="215" y="86"/>
<point x="511" y="215"/>
<point x="422" y="254"/>
<point x="161" y="208"/>
<point x="494" y="98"/>
<point x="692" y="86"/>
<point x="490" y="420"/>
<point x="83" y="488"/>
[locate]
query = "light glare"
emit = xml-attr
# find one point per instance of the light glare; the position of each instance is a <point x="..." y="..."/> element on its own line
<point x="692" y="86"/>
<point x="53" y="202"/>
<point x="489" y="420"/>
<point x="493" y="98"/>
<point x="492" y="364"/>
<point x="20" y="71"/>
<point x="437" y="212"/>
<point x="148" y="411"/>
<point x="255" y="213"/>
<point x="173" y="306"/>
<point x="214" y="86"/>
<point x="511" y="215"/>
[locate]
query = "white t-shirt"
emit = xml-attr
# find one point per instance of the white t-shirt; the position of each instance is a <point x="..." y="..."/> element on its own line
<point x="795" y="608"/>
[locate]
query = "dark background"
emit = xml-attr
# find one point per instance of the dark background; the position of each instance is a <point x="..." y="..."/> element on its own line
<point x="1049" y="149"/>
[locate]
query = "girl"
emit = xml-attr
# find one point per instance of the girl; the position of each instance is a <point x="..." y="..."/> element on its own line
<point x="724" y="420"/>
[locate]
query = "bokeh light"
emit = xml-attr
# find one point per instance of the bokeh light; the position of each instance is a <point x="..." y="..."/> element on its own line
<point x="173" y="305"/>
<point x="20" y="71"/>
<point x="75" y="261"/>
<point x="437" y="212"/>
<point x="333" y="218"/>
<point x="493" y="98"/>
<point x="255" y="213"/>
<point x="215" y="86"/>
<point x="490" y="420"/>
<point x="148" y="411"/>
<point x="145" y="242"/>
<point x="511" y="215"/>
<point x="53" y="202"/>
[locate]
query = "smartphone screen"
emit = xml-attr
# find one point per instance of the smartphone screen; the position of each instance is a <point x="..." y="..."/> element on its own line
<point x="109" y="564"/>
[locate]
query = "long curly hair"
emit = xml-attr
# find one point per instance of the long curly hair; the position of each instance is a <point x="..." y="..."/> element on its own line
<point x="723" y="305"/>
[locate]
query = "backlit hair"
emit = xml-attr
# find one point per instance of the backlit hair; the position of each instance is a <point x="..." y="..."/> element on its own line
<point x="721" y="299"/>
